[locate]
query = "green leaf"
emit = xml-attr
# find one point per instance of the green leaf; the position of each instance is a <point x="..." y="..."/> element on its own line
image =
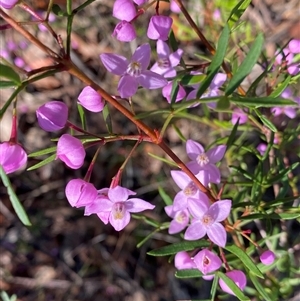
<point x="171" y="163"/>
<point x="242" y="171"/>
<point x="245" y="259"/>
<point x="281" y="174"/>
<point x="260" y="288"/>
<point x="81" y="115"/>
<point x="42" y="163"/>
<point x="58" y="11"/>
<point x="188" y="274"/>
<point x="9" y="73"/>
<point x="179" y="133"/>
<point x="164" y="196"/>
<point x="277" y="216"/>
<point x="216" y="61"/>
<point x="237" y="12"/>
<point x="180" y="246"/>
<point x="277" y="92"/>
<point x="267" y="102"/>
<point x="190" y="79"/>
<point x="231" y="284"/>
<point x="174" y="91"/>
<point x="42" y="152"/>
<point x="14" y="199"/>
<point x="247" y="65"/>
<point x="4" y="84"/>
<point x="107" y="119"/>
<point x="232" y="135"/>
<point x="266" y="122"/>
<point x="223" y="104"/>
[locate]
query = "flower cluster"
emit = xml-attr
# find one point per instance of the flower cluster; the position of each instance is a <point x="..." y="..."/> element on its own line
<point x="112" y="205"/>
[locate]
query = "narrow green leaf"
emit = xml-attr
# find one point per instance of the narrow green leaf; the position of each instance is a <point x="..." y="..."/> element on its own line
<point x="165" y="196"/>
<point x="82" y="6"/>
<point x="177" y="247"/>
<point x="58" y="11"/>
<point x="190" y="79"/>
<point x="245" y="259"/>
<point x="171" y="163"/>
<point x="223" y="104"/>
<point x="237" y="12"/>
<point x="174" y="91"/>
<point x="231" y="284"/>
<point x="266" y="102"/>
<point x="9" y="73"/>
<point x="242" y="171"/>
<point x="232" y="135"/>
<point x="107" y="118"/>
<point x="188" y="274"/>
<point x="82" y="116"/>
<point x="281" y="174"/>
<point x="213" y="290"/>
<point x="247" y="65"/>
<point x="42" y="152"/>
<point x="216" y="61"/>
<point x="260" y="288"/>
<point x="42" y="163"/>
<point x="277" y="92"/>
<point x="4" y="84"/>
<point x="179" y="133"/>
<point x="14" y="199"/>
<point x="267" y="123"/>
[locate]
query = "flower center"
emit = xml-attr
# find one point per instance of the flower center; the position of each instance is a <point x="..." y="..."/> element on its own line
<point x="134" y="69"/>
<point x="206" y="261"/>
<point x="207" y="220"/>
<point x="163" y="63"/>
<point x="190" y="189"/>
<point x="118" y="210"/>
<point x="202" y="159"/>
<point x="181" y="217"/>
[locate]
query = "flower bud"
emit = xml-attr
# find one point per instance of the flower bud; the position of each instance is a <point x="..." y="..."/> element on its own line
<point x="12" y="157"/>
<point x="71" y="151"/>
<point x="91" y="100"/>
<point x="267" y="257"/>
<point x="52" y="116"/>
<point x="124" y="32"/>
<point x="159" y="27"/>
<point x="8" y="4"/>
<point x="238" y="277"/>
<point x="124" y="10"/>
<point x="80" y="193"/>
<point x="183" y="261"/>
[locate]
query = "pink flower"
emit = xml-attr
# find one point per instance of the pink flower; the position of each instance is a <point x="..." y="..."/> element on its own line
<point x="267" y="257"/>
<point x="124" y="32"/>
<point x="159" y="27"/>
<point x="52" y="116"/>
<point x="174" y="7"/>
<point x="80" y="193"/>
<point x="91" y="100"/>
<point x="180" y="219"/>
<point x="262" y="147"/>
<point x="134" y="72"/>
<point x="286" y="56"/>
<point x="12" y="157"/>
<point x="188" y="189"/>
<point x="166" y="60"/>
<point x="238" y="277"/>
<point x="239" y="113"/>
<point x="124" y="10"/>
<point x="183" y="261"/>
<point x="117" y="207"/>
<point x="207" y="220"/>
<point x="8" y="4"/>
<point x="207" y="261"/>
<point x="205" y="161"/>
<point x="167" y="91"/>
<point x="294" y="46"/>
<point x="71" y="151"/>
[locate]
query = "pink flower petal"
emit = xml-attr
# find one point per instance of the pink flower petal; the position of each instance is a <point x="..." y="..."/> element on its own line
<point x="238" y="277"/>
<point x="183" y="261"/>
<point x="119" y="194"/>
<point x="220" y="210"/>
<point x="217" y="234"/>
<point x="142" y="55"/>
<point x="114" y="63"/>
<point x="267" y="257"/>
<point x="91" y="100"/>
<point x="162" y="49"/>
<point x="193" y="149"/>
<point x="124" y="32"/>
<point x="138" y="205"/>
<point x="159" y="27"/>
<point x="195" y="231"/>
<point x="151" y="80"/>
<point x="198" y="207"/>
<point x="180" y="178"/>
<point x="216" y="154"/>
<point x="127" y="86"/>
<point x="207" y="261"/>
<point x="119" y="223"/>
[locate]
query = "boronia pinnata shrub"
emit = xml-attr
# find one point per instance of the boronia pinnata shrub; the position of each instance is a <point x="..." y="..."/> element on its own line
<point x="225" y="185"/>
